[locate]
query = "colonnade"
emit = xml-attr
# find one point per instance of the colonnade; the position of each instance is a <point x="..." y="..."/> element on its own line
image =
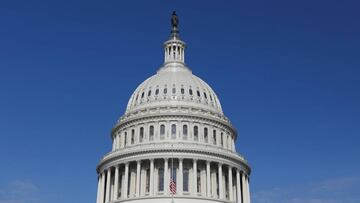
<point x="197" y="178"/>
<point x="164" y="131"/>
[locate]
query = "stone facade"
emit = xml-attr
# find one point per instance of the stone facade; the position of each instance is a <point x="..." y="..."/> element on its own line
<point x="173" y="129"/>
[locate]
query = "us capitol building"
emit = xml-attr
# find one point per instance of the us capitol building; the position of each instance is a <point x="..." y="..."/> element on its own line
<point x="173" y="144"/>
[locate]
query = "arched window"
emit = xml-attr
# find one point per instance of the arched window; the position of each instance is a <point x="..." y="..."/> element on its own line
<point x="185" y="132"/>
<point x="162" y="132"/>
<point x="196" y="133"/>
<point x="198" y="93"/>
<point x="151" y="133"/>
<point x="149" y="93"/>
<point x="186" y="180"/>
<point x="125" y="139"/>
<point x="206" y="138"/>
<point x="182" y="91"/>
<point x="142" y="94"/>
<point x="165" y="90"/>
<point x="214" y="137"/>
<point x="173" y="131"/>
<point x="156" y="91"/>
<point x="205" y="95"/>
<point x="190" y="91"/>
<point x="161" y="179"/>
<point x="132" y="136"/>
<point x="141" y="138"/>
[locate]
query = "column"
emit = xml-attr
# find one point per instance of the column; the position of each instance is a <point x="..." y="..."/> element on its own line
<point x="116" y="183"/>
<point x="102" y="187"/>
<point x="195" y="183"/>
<point x="248" y="189"/>
<point x="113" y="143"/>
<point x="108" y="178"/>
<point x="166" y="176"/>
<point x="221" y="189"/>
<point x="151" y="177"/>
<point x="244" y="187"/>
<point x="138" y="167"/>
<point x="99" y="189"/>
<point x="231" y="197"/>
<point x="181" y="180"/>
<point x="126" y="181"/>
<point x="208" y="178"/>
<point x="238" y="185"/>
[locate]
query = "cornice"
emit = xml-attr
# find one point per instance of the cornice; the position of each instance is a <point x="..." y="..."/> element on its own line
<point x="172" y="149"/>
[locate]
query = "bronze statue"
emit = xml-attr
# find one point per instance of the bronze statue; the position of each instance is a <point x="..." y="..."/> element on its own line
<point x="174" y="20"/>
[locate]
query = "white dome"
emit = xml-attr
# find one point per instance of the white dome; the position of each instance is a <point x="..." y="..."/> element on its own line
<point x="173" y="144"/>
<point x="174" y="85"/>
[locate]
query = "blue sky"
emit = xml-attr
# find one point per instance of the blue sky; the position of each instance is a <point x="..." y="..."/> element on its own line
<point x="286" y="72"/>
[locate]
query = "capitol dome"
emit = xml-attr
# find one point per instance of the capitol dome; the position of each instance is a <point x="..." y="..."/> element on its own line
<point x="174" y="85"/>
<point x="173" y="144"/>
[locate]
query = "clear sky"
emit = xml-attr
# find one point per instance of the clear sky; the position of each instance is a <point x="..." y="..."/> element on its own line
<point x="286" y="72"/>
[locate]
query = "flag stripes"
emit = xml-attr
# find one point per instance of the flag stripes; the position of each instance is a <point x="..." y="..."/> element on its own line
<point x="172" y="186"/>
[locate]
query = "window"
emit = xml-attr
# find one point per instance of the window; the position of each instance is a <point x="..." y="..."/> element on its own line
<point x="142" y="95"/>
<point x="196" y="133"/>
<point x="132" y="136"/>
<point x="151" y="136"/>
<point x="198" y="181"/>
<point x="173" y="90"/>
<point x="125" y="139"/>
<point x="198" y="93"/>
<point x="149" y="93"/>
<point x="128" y="186"/>
<point x="165" y="91"/>
<point x="120" y="189"/>
<point x="137" y="96"/>
<point x="206" y="139"/>
<point x="185" y="132"/>
<point x="141" y="138"/>
<point x="214" y="137"/>
<point x="226" y="186"/>
<point x="173" y="175"/>
<point x="205" y="95"/>
<point x="162" y="132"/>
<point x="186" y="180"/>
<point x="161" y="179"/>
<point x="147" y="181"/>
<point x="190" y="91"/>
<point x="217" y="184"/>
<point x="182" y="91"/>
<point x="156" y="91"/>
<point x="173" y="131"/>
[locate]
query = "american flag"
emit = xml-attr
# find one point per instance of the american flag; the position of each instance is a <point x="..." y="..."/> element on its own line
<point x="172" y="186"/>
